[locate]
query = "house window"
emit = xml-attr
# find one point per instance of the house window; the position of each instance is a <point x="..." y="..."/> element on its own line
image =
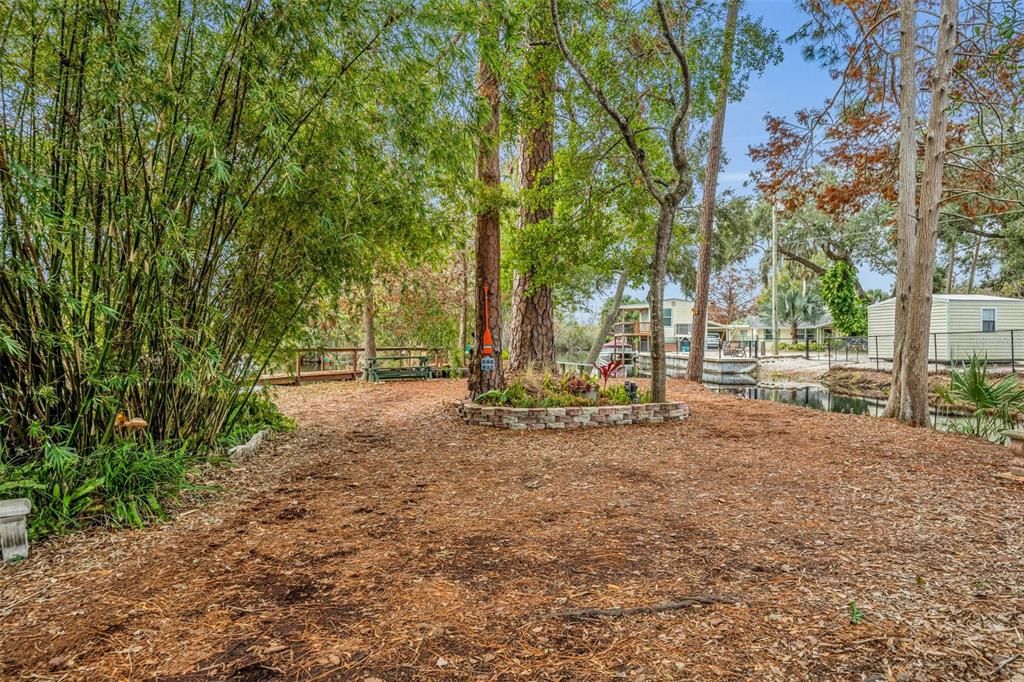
<point x="666" y="317"/>
<point x="768" y="334"/>
<point x="805" y="335"/>
<point x="988" y="319"/>
<point x="682" y="329"/>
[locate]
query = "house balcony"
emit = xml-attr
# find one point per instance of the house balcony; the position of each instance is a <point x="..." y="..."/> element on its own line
<point x="632" y="329"/>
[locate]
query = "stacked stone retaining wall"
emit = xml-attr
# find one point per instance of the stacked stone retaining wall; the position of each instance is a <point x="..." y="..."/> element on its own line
<point x="535" y="418"/>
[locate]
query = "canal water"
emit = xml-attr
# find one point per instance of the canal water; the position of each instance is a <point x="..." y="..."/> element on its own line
<point x="815" y="397"/>
<point x="820" y="398"/>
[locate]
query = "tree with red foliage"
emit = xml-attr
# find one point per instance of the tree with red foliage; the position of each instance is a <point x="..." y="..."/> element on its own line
<point x="732" y="295"/>
<point x="883" y="53"/>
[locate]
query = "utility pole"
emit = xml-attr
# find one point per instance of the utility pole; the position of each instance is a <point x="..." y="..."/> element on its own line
<point x="775" y="262"/>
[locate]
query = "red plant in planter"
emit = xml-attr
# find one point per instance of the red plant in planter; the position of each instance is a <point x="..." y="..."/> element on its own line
<point x="608" y="369"/>
<point x="578" y="385"/>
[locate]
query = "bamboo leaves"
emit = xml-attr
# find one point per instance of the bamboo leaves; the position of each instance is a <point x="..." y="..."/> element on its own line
<point x="175" y="181"/>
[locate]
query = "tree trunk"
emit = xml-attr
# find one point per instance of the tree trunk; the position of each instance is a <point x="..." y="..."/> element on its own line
<point x="667" y="195"/>
<point x="951" y="265"/>
<point x="906" y="225"/>
<point x="695" y="364"/>
<point x="794" y="331"/>
<point x="369" y="333"/>
<point x="532" y="334"/>
<point x="656" y="298"/>
<point x="912" y="380"/>
<point x="974" y="265"/>
<point x="608" y="320"/>
<point x="464" y="308"/>
<point x="488" y="239"/>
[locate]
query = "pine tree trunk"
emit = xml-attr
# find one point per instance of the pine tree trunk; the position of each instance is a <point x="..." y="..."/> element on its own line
<point x="532" y="334"/>
<point x="369" y="333"/>
<point x="914" y="370"/>
<point x="607" y="321"/>
<point x="656" y="298"/>
<point x="698" y="331"/>
<point x="464" y="307"/>
<point x="488" y="239"/>
<point x="906" y="225"/>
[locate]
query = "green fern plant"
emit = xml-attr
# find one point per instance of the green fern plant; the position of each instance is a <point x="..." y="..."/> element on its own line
<point x="994" y="405"/>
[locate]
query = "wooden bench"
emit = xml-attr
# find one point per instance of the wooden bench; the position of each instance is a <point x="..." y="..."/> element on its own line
<point x="375" y="371"/>
<point x="1016" y="441"/>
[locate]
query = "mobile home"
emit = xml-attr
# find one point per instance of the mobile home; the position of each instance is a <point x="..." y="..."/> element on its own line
<point x="961" y="325"/>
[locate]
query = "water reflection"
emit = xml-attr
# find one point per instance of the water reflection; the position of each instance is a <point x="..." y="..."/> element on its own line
<point x="820" y="398"/>
<point x="815" y="397"/>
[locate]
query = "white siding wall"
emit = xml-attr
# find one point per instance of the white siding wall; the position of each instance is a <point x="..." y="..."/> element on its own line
<point x="965" y="321"/>
<point x="682" y="313"/>
<point x="938" y="343"/>
<point x="881" y="323"/>
<point x="955" y="331"/>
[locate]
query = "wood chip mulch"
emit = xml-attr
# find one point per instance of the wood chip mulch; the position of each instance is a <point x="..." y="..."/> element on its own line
<point x="386" y="540"/>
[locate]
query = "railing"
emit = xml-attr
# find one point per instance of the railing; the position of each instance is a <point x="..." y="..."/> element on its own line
<point x="632" y="328"/>
<point x="566" y="367"/>
<point x="326" y="364"/>
<point x="1001" y="347"/>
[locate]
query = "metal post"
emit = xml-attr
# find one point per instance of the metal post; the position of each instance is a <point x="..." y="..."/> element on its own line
<point x="878" y="359"/>
<point x="935" y="347"/>
<point x="1013" y="357"/>
<point x="298" y="366"/>
<point x="807" y="346"/>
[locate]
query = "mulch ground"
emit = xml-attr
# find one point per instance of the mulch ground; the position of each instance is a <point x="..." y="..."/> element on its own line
<point x="385" y="539"/>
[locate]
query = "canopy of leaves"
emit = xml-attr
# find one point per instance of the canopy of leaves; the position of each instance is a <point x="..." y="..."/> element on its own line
<point x="179" y="179"/>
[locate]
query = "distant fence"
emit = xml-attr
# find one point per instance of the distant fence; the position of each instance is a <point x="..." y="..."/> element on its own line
<point x="1002" y="347"/>
<point x="332" y="364"/>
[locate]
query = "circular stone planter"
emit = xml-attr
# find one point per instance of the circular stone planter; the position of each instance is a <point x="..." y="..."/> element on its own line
<point x="535" y="418"/>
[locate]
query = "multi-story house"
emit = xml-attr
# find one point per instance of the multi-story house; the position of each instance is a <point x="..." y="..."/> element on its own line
<point x="634" y="326"/>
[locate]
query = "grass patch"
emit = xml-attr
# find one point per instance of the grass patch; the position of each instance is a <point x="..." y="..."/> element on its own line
<point x="128" y="483"/>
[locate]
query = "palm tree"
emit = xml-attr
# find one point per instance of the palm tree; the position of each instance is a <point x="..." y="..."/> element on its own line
<point x="794" y="308"/>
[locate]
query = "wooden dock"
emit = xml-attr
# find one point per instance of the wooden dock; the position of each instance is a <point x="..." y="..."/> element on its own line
<point x="343" y="364"/>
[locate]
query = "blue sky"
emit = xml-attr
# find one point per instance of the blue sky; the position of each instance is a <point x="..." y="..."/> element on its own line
<point x="782" y="90"/>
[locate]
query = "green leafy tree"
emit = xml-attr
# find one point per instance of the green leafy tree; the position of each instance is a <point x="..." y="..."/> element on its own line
<point x="181" y="182"/>
<point x="838" y="287"/>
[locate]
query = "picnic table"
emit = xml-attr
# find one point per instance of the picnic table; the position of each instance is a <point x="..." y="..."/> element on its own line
<point x="418" y="367"/>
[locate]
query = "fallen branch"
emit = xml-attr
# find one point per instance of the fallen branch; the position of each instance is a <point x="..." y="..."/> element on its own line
<point x="642" y="610"/>
<point x="1003" y="665"/>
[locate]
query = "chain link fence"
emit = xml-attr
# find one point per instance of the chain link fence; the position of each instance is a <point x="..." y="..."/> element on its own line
<point x="1000" y="348"/>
